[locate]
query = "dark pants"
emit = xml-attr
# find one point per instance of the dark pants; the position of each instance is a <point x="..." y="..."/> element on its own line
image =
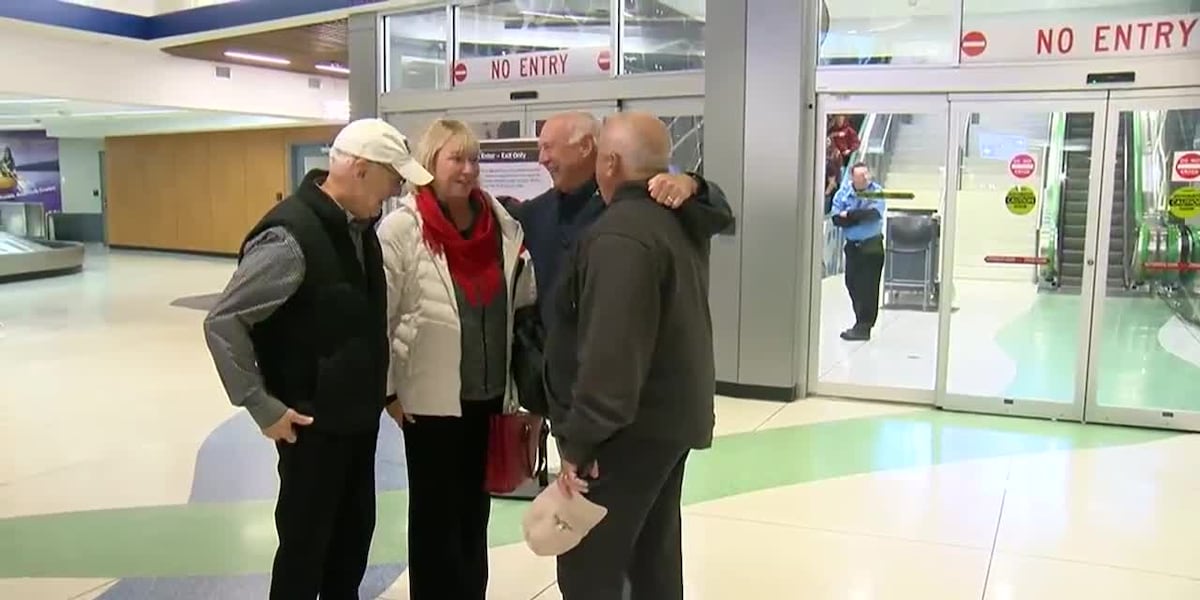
<point x="325" y="515"/>
<point x="864" y="266"/>
<point x="640" y="540"/>
<point x="448" y="507"/>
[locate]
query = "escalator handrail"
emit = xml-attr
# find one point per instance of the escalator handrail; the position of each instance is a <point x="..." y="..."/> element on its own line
<point x="860" y="154"/>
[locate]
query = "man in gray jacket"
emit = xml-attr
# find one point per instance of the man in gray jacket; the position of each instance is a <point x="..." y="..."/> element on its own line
<point x="630" y="371"/>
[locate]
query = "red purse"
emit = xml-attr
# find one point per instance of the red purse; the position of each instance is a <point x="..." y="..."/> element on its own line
<point x="514" y="451"/>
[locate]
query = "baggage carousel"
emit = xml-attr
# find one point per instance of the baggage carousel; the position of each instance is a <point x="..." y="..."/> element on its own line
<point x="25" y="258"/>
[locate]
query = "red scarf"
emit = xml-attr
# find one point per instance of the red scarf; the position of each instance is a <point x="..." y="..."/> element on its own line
<point x="474" y="260"/>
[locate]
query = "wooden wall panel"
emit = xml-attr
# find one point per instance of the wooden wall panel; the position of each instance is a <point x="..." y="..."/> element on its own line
<point x="122" y="180"/>
<point x="192" y="198"/>
<point x="227" y="186"/>
<point x="198" y="192"/>
<point x="266" y="180"/>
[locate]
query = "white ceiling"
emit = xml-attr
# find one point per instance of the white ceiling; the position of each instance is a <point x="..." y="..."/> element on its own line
<point x="61" y="117"/>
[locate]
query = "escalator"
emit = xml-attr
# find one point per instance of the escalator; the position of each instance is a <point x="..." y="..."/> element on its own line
<point x="1073" y="213"/>
<point x="1182" y="289"/>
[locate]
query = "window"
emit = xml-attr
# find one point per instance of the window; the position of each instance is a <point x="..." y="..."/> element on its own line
<point x="684" y="118"/>
<point x="663" y="36"/>
<point x="687" y="142"/>
<point x="415" y="54"/>
<point x="912" y="32"/>
<point x="497" y="28"/>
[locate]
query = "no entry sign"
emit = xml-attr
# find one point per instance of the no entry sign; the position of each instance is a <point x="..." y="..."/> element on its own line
<point x="1186" y="167"/>
<point x="1031" y="36"/>
<point x="555" y="65"/>
<point x="974" y="43"/>
<point x="604" y="61"/>
<point x="1022" y="166"/>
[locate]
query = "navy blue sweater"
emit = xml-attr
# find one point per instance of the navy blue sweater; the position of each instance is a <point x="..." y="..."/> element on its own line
<point x="554" y="221"/>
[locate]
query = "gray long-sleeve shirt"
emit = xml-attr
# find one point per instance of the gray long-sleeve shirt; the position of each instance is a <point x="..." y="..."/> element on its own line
<point x="271" y="270"/>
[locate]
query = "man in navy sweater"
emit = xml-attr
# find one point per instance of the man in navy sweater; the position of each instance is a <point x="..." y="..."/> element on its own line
<point x="554" y="220"/>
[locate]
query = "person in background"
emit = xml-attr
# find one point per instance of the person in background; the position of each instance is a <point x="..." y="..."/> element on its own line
<point x="452" y="257"/>
<point x="833" y="173"/>
<point x="862" y="220"/>
<point x="299" y="340"/>
<point x="630" y="371"/>
<point x="554" y="220"/>
<point x="845" y="138"/>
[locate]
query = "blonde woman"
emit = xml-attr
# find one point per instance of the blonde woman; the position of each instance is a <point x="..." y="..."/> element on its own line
<point x="456" y="272"/>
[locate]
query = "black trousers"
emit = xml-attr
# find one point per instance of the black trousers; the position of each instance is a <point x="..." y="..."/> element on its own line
<point x="325" y="515"/>
<point x="448" y="508"/>
<point x="640" y="539"/>
<point x="864" y="267"/>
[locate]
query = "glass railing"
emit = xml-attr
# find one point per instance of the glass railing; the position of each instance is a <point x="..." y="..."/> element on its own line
<point x="1052" y="183"/>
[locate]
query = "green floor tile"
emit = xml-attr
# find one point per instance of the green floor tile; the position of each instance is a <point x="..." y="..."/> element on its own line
<point x="238" y="538"/>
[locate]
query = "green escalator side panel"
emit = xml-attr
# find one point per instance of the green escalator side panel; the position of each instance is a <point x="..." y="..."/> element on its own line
<point x="1135" y="199"/>
<point x="1173" y="255"/>
<point x="1142" y="251"/>
<point x="1053" y="199"/>
<point x="1188" y="278"/>
<point x="1139" y="199"/>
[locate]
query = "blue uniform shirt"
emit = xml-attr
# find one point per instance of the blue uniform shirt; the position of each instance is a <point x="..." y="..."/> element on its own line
<point x="847" y="199"/>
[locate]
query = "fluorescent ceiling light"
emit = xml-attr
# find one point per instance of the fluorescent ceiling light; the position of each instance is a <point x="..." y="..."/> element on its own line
<point x="273" y="60"/>
<point x="333" y="68"/>
<point x="32" y="101"/>
<point x="125" y="113"/>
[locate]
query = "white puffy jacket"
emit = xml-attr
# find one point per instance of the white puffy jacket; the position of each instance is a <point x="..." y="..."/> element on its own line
<point x="423" y="321"/>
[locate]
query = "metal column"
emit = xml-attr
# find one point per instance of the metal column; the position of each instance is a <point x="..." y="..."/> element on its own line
<point x="759" y="143"/>
<point x="366" y="62"/>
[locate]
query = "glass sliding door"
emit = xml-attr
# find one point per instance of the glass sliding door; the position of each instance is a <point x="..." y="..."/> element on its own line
<point x="1021" y="237"/>
<point x="684" y="118"/>
<point x="881" y="167"/>
<point x="536" y="115"/>
<point x="1145" y="354"/>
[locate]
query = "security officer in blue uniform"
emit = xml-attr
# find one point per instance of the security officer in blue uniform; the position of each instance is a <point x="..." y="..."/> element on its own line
<point x="861" y="218"/>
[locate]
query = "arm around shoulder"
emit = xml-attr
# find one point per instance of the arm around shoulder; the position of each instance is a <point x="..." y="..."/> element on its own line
<point x="710" y="209"/>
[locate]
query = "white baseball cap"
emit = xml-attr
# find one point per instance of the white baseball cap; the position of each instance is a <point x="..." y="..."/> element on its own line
<point x="376" y="140"/>
<point x="555" y="523"/>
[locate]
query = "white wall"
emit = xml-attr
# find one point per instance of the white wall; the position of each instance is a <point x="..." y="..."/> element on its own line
<point x="121" y="72"/>
<point x="79" y="165"/>
<point x="147" y="8"/>
<point x="134" y="7"/>
<point x="166" y="6"/>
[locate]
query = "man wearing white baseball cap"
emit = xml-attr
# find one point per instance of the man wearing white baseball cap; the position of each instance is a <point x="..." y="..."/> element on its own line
<point x="299" y="339"/>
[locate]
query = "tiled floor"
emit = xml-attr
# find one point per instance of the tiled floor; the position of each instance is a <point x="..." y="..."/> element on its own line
<point x="125" y="474"/>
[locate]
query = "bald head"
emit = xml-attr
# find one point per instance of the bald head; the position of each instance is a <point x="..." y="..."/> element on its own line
<point x="633" y="146"/>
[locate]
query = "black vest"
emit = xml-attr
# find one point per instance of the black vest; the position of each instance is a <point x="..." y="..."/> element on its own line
<point x="324" y="352"/>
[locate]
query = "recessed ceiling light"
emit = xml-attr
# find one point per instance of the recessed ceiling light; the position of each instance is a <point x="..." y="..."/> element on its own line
<point x="262" y="58"/>
<point x="333" y="68"/>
